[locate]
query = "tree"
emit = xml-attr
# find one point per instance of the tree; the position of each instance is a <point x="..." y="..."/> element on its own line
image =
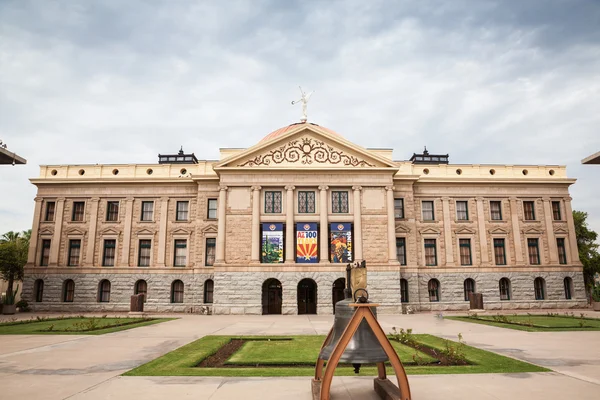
<point x="13" y="256"/>
<point x="588" y="248"/>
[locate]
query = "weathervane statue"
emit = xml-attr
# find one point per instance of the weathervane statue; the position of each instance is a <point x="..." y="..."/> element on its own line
<point x="304" y="101"/>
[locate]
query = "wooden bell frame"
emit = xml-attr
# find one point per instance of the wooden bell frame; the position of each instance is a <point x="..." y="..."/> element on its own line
<point x="321" y="384"/>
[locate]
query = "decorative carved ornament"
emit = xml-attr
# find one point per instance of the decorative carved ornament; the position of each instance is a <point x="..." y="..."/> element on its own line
<point x="307" y="151"/>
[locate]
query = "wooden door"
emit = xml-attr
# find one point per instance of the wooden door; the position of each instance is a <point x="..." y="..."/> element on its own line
<point x="307" y="297"/>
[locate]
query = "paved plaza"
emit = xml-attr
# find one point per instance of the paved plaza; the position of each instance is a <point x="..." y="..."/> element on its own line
<point x="89" y="367"/>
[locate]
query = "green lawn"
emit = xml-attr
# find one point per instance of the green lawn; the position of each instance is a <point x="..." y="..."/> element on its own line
<point x="304" y="350"/>
<point x="75" y="326"/>
<point x="539" y="323"/>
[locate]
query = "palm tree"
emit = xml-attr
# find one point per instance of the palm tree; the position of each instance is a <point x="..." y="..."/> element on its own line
<point x="10" y="236"/>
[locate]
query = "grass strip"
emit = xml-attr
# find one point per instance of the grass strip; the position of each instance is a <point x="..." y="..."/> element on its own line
<point x="66" y="326"/>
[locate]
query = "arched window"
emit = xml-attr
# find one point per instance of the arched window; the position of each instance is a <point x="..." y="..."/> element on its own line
<point x="177" y="292"/>
<point x="38" y="290"/>
<point x="104" y="291"/>
<point x="469" y="286"/>
<point x="434" y="290"/>
<point x="403" y="290"/>
<point x="539" y="285"/>
<point x="504" y="285"/>
<point x="208" y="291"/>
<point x="141" y="287"/>
<point x="568" y="283"/>
<point x="68" y="291"/>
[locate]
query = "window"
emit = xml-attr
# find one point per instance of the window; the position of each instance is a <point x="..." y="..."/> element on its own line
<point x="399" y="208"/>
<point x="74" y="251"/>
<point x="50" y="207"/>
<point x="78" y="207"/>
<point x="38" y="290"/>
<point x="208" y="291"/>
<point x="499" y="252"/>
<point x="306" y="202"/>
<point x="504" y="285"/>
<point x="68" y="291"/>
<point x="339" y="202"/>
<point x="108" y="257"/>
<point x="465" y="251"/>
<point x="147" y="210"/>
<point x="539" y="286"/>
<point x="403" y="290"/>
<point x="528" y="211"/>
<point x="212" y="209"/>
<point x="568" y="284"/>
<point x="210" y="251"/>
<point x="556" y="210"/>
<point x="462" y="211"/>
<point x="144" y="253"/>
<point x="534" y="251"/>
<point x="45" y="252"/>
<point x="562" y="252"/>
<point x="141" y="287"/>
<point x="182" y="210"/>
<point x="469" y="287"/>
<point x="180" y="253"/>
<point x="430" y="252"/>
<point x="112" y="211"/>
<point x="496" y="210"/>
<point x="272" y="202"/>
<point x="433" y="287"/>
<point x="177" y="292"/>
<point x="428" y="214"/>
<point x="104" y="291"/>
<point x="401" y="250"/>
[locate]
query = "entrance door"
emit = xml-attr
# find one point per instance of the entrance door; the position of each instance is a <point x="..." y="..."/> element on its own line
<point x="337" y="293"/>
<point x="307" y="297"/>
<point x="272" y="297"/>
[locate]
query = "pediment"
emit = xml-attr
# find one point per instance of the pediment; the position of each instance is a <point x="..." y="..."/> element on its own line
<point x="402" y="229"/>
<point x="46" y="231"/>
<point x="499" y="231"/>
<point x="75" y="231"/>
<point x="144" y="232"/>
<point x="110" y="231"/>
<point x="307" y="146"/>
<point x="209" y="229"/>
<point x="532" y="231"/>
<point x="561" y="229"/>
<point x="181" y="231"/>
<point x="429" y="231"/>
<point x="465" y="230"/>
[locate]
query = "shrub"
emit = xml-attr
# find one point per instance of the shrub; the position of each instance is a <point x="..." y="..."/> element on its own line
<point x="402" y="336"/>
<point x="455" y="353"/>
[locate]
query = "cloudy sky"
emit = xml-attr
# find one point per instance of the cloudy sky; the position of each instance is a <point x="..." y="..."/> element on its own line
<point x="514" y="82"/>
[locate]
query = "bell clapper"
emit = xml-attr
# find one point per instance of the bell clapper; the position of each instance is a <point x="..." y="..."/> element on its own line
<point x="356" y="368"/>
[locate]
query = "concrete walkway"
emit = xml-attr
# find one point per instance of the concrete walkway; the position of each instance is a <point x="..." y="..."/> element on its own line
<point x="89" y="367"/>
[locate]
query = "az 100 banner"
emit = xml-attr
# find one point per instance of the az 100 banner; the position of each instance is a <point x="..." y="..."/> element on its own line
<point x="272" y="243"/>
<point x="341" y="242"/>
<point x="306" y="243"/>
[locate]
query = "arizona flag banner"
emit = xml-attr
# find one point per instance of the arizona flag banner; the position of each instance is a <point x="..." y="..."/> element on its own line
<point x="341" y="242"/>
<point x="307" y="241"/>
<point x="272" y="243"/>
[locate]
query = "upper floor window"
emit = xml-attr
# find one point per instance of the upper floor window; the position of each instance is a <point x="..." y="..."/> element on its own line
<point x="562" y="252"/>
<point x="399" y="208"/>
<point x="272" y="202"/>
<point x="306" y="202"/>
<point x="499" y="252"/>
<point x="210" y="251"/>
<point x="465" y="251"/>
<point x="78" y="207"/>
<point x="112" y="211"/>
<point x="534" y="251"/>
<point x="50" y="207"/>
<point x="108" y="255"/>
<point x="182" y="210"/>
<point x="144" y="253"/>
<point x="180" y="253"/>
<point x="339" y="202"/>
<point x="428" y="214"/>
<point x="528" y="211"/>
<point x="45" y="252"/>
<point x="556" y="210"/>
<point x="401" y="250"/>
<point x="496" y="210"/>
<point x="74" y="251"/>
<point x="462" y="211"/>
<point x="430" y="252"/>
<point x="212" y="209"/>
<point x="147" y="210"/>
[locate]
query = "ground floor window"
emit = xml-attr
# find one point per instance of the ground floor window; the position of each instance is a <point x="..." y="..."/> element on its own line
<point x="539" y="286"/>
<point x="104" y="291"/>
<point x="504" y="289"/>
<point x="434" y="290"/>
<point x="141" y="287"/>
<point x="177" y="292"/>
<point x="403" y="290"/>
<point x="469" y="287"/>
<point x="568" y="283"/>
<point x="208" y="291"/>
<point x="38" y="289"/>
<point x="68" y="291"/>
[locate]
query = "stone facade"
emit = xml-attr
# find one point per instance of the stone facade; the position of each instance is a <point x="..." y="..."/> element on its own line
<point x="216" y="236"/>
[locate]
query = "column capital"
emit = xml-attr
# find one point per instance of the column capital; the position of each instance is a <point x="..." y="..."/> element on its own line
<point x="389" y="188"/>
<point x="61" y="199"/>
<point x="164" y="199"/>
<point x="479" y="198"/>
<point x="323" y="188"/>
<point x="445" y="198"/>
<point x="256" y="188"/>
<point x="222" y="188"/>
<point x="356" y="188"/>
<point x="95" y="199"/>
<point x="38" y="199"/>
<point x="129" y="198"/>
<point x="567" y="198"/>
<point x="289" y="188"/>
<point x="546" y="199"/>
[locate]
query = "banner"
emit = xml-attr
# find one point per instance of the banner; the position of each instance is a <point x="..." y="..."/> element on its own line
<point x="341" y="242"/>
<point x="272" y="243"/>
<point x="307" y="242"/>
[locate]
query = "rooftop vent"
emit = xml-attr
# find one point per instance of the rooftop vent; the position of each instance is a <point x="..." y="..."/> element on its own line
<point x="179" y="158"/>
<point x="427" y="158"/>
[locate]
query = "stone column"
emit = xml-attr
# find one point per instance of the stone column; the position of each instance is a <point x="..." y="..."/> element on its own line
<point x="358" y="254"/>
<point x="33" y="243"/>
<point x="289" y="225"/>
<point x="222" y="208"/>
<point x="255" y="254"/>
<point x="483" y="244"/>
<point x="553" y="256"/>
<point x="89" y="254"/>
<point x="323" y="221"/>
<point x="58" y="223"/>
<point x="447" y="231"/>
<point x="572" y="238"/>
<point x="128" y="203"/>
<point x="516" y="229"/>
<point x="391" y="222"/>
<point x="162" y="232"/>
